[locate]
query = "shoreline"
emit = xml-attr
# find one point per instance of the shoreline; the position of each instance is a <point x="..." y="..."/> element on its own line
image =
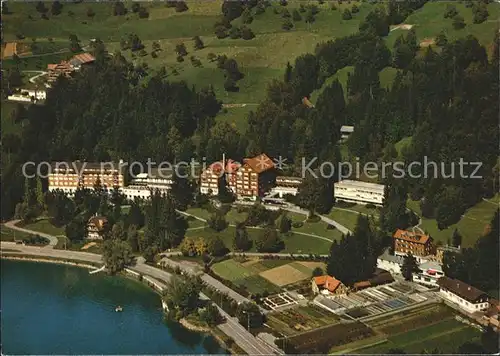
<point x="127" y="273"/>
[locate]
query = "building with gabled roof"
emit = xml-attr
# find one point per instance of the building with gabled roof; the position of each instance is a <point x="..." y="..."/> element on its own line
<point x="95" y="227"/>
<point x="327" y="285"/>
<point x="78" y="60"/>
<point x="417" y="244"/>
<point x="462" y="295"/>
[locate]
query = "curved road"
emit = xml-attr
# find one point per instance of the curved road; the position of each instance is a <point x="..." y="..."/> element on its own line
<point x="52" y="239"/>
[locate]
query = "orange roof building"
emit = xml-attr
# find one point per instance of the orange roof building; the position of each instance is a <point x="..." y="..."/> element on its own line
<point x="327" y="285"/>
<point x="405" y="242"/>
<point x="255" y="177"/>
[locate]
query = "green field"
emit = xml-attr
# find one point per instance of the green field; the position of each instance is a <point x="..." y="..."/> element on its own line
<point x="8" y="234"/>
<point x="44" y="226"/>
<point x="429" y="22"/>
<point x="471" y="226"/>
<point x="247" y="273"/>
<point x="445" y="335"/>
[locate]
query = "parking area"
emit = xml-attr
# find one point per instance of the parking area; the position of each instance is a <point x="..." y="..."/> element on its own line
<point x="376" y="300"/>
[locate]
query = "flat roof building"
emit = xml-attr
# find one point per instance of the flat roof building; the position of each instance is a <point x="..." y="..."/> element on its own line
<point x="359" y="192"/>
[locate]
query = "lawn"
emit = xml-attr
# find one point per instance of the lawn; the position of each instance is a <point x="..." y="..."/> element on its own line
<point x="346" y="218"/>
<point x="445" y="335"/>
<point x="233" y="216"/>
<point x="294" y="243"/>
<point x="44" y="226"/>
<point x="319" y="229"/>
<point x="401" y="144"/>
<point x="257" y="276"/>
<point x="471" y="226"/>
<point x="236" y="116"/>
<point x="429" y="22"/>
<point x="199" y="212"/>
<point x="244" y="276"/>
<point x="8" y="234"/>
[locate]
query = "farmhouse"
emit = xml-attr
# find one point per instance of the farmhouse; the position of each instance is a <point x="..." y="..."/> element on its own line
<point x="462" y="295"/>
<point x="359" y="192"/>
<point x="61" y="69"/>
<point x="95" y="227"/>
<point x="80" y="60"/>
<point x="419" y="245"/>
<point x="327" y="285"/>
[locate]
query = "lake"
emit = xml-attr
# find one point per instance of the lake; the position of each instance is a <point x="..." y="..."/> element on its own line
<point x="57" y="309"/>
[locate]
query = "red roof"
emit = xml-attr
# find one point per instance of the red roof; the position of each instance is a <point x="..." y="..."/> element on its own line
<point x="260" y="164"/>
<point x="328" y="282"/>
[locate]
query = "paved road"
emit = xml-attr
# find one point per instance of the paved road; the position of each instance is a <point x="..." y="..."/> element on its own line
<point x="244" y="339"/>
<point x="52" y="239"/>
<point x="257" y="254"/>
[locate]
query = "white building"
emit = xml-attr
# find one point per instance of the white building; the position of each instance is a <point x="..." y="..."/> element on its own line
<point x="286" y="185"/>
<point x="28" y="95"/>
<point x="345" y="132"/>
<point x="462" y="295"/>
<point x="390" y="263"/>
<point x="431" y="272"/>
<point x="359" y="192"/>
<point x="147" y="183"/>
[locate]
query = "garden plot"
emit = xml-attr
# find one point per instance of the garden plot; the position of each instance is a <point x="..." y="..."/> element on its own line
<point x="279" y="301"/>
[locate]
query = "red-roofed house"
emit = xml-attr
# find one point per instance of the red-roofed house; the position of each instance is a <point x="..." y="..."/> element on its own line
<point x="419" y="245"/>
<point x="327" y="285"/>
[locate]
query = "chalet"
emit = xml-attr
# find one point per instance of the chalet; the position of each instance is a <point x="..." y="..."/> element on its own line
<point x="327" y="285"/>
<point x="95" y="227"/>
<point x="462" y="295"/>
<point x="405" y="242"/>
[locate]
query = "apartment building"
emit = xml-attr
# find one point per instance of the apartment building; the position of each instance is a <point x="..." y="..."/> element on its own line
<point x="462" y="295"/>
<point x="429" y="275"/>
<point x="359" y="192"/>
<point x="419" y="245"/>
<point x="254" y="177"/>
<point x="69" y="176"/>
<point x="145" y="184"/>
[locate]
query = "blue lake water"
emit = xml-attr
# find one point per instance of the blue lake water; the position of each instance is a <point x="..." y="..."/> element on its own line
<point x="53" y="309"/>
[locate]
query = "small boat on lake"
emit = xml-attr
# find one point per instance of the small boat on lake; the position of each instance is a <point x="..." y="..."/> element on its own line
<point x="118" y="309"/>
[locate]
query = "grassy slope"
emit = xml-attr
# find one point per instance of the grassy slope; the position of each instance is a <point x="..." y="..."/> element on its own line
<point x="11" y="234"/>
<point x="46" y="227"/>
<point x="429" y="22"/>
<point x="471" y="226"/>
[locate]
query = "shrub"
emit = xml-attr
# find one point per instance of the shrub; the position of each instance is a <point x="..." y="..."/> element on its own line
<point x="297" y="224"/>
